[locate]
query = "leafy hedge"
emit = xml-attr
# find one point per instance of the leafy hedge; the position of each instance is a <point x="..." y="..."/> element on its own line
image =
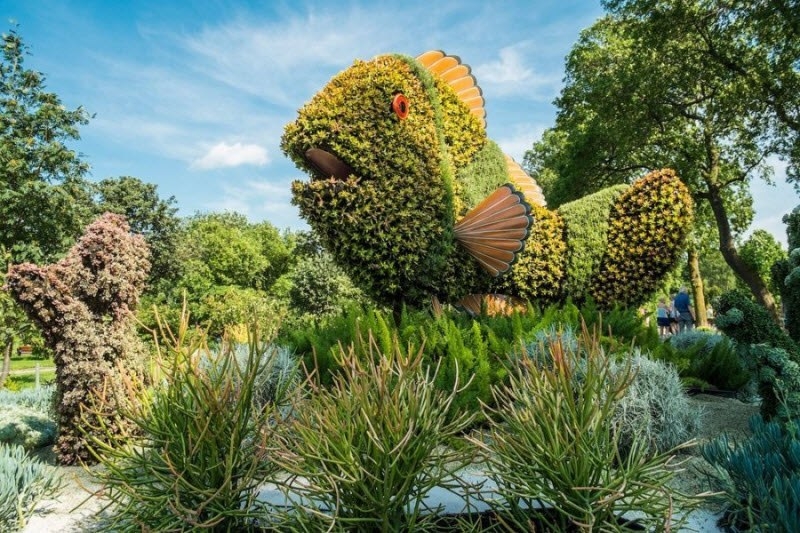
<point x="540" y="270"/>
<point x="586" y="229"/>
<point x="647" y="231"/>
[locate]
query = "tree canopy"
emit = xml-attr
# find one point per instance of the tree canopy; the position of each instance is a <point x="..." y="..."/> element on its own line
<point x="641" y="92"/>
<point x="44" y="196"/>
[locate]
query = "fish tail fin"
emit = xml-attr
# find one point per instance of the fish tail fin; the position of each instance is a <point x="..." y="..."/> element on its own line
<point x="494" y="232"/>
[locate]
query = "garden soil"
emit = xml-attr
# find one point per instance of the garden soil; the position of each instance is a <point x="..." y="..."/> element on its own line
<point x="73" y="509"/>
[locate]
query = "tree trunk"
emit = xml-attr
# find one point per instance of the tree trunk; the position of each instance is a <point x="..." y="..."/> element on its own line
<point x="698" y="294"/>
<point x="728" y="248"/>
<point x="6" y="363"/>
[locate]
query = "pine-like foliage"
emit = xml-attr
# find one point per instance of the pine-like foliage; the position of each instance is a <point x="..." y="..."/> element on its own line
<point x="84" y="307"/>
<point x="647" y="231"/>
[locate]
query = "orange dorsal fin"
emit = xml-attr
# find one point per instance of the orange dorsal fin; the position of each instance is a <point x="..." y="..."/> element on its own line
<point x="494" y="232"/>
<point x="459" y="76"/>
<point x="524" y="183"/>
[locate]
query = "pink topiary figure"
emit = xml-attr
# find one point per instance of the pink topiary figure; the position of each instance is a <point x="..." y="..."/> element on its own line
<point x="84" y="307"/>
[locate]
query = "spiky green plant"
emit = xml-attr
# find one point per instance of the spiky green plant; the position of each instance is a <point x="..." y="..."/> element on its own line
<point x="370" y="448"/>
<point x="555" y="454"/>
<point x="200" y="450"/>
<point x="24" y="482"/>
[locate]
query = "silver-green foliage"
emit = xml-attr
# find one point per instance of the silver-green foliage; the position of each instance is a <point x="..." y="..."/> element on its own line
<point x="38" y="398"/>
<point x="655" y="408"/>
<point x="26" y="427"/>
<point x="24" y="482"/>
<point x="554" y="444"/>
<point x="760" y="476"/>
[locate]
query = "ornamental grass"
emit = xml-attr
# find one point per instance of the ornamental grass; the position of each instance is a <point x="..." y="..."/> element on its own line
<point x="367" y="451"/>
<point x="555" y="453"/>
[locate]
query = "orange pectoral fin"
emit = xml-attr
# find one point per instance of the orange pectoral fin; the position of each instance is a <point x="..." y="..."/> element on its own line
<point x="494" y="232"/>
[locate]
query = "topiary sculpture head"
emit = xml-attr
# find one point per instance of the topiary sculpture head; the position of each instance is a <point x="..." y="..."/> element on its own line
<point x="413" y="200"/>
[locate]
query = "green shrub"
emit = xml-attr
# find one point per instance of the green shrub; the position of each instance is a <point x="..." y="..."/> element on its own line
<point x="712" y="358"/>
<point x="24" y="482"/>
<point x="372" y="446"/>
<point x="200" y="451"/>
<point x="654" y="409"/>
<point x="539" y="272"/>
<point x="760" y="476"/>
<point x="586" y="223"/>
<point x="553" y="443"/>
<point x="647" y="231"/>
<point x="26" y="427"/>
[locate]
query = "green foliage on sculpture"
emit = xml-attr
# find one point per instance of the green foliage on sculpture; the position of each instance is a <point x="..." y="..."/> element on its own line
<point x="647" y="230"/>
<point x="786" y="276"/>
<point x="586" y="232"/>
<point x="540" y="272"/>
<point x="477" y="180"/>
<point x="765" y="348"/>
<point x="84" y="307"/>
<point x="388" y="217"/>
<point x="749" y="323"/>
<point x="400" y="166"/>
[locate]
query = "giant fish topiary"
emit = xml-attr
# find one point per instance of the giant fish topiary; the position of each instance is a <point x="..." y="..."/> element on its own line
<point x="414" y="201"/>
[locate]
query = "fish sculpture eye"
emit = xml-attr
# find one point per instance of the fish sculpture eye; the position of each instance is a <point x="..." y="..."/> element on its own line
<point x="400" y="106"/>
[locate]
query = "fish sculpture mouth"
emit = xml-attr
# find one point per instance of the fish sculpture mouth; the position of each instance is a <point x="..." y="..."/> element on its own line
<point x="327" y="164"/>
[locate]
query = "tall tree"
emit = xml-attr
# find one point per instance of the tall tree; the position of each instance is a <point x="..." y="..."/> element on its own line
<point x="754" y="43"/>
<point x="227" y="266"/>
<point x="147" y="214"/>
<point x="44" y="197"/>
<point x="636" y="99"/>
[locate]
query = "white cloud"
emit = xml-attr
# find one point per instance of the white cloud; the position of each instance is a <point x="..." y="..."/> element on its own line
<point x="520" y="140"/>
<point x="261" y="200"/>
<point x="513" y="73"/>
<point x="224" y="155"/>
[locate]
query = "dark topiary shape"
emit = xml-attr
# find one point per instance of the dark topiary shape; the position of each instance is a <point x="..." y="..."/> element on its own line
<point x="84" y="307"/>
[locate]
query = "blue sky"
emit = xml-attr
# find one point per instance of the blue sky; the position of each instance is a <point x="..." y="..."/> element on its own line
<point x="193" y="96"/>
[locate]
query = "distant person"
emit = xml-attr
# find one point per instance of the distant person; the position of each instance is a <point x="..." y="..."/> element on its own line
<point x="673" y="314"/>
<point x="683" y="306"/>
<point x="662" y="318"/>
